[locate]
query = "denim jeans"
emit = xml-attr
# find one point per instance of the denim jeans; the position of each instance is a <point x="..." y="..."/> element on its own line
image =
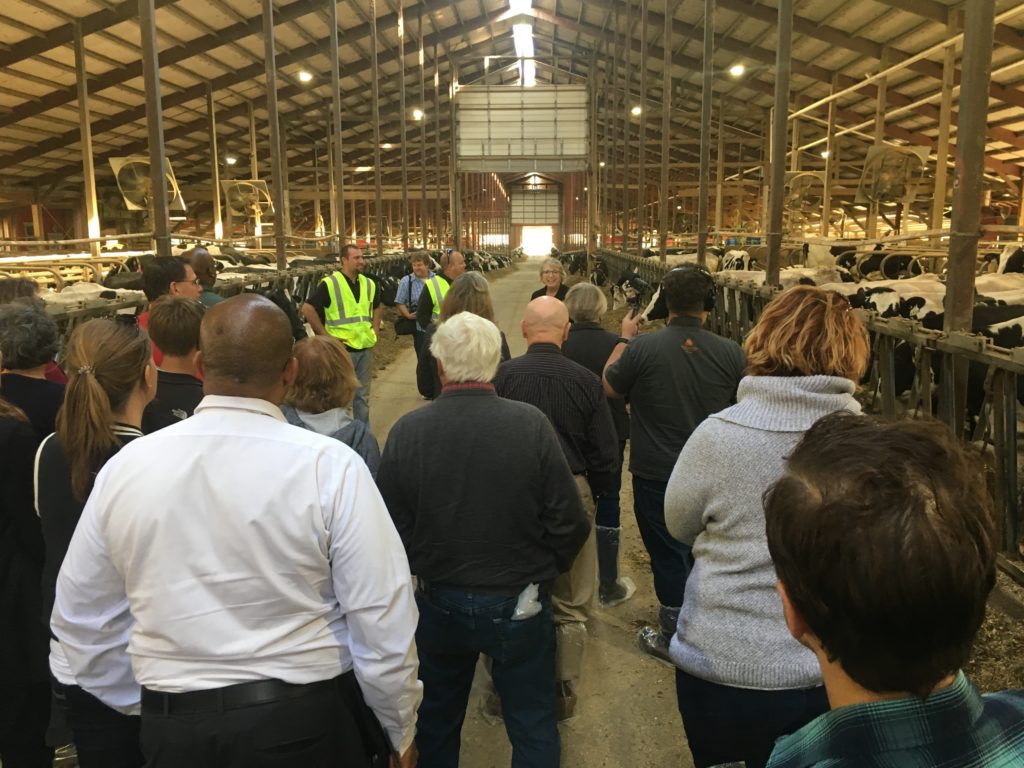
<point x="455" y="627"/>
<point x="362" y="361"/>
<point x="725" y="724"/>
<point x="103" y="736"/>
<point x="608" y="502"/>
<point x="671" y="560"/>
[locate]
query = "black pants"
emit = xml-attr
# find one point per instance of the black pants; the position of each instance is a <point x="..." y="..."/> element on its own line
<point x="313" y="727"/>
<point x="24" y="714"/>
<point x="103" y="736"/>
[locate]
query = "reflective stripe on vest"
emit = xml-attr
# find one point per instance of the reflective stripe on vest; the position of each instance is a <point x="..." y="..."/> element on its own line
<point x="347" y="319"/>
<point x="437" y="293"/>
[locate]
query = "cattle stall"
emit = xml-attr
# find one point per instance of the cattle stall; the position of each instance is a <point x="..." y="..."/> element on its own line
<point x="930" y="365"/>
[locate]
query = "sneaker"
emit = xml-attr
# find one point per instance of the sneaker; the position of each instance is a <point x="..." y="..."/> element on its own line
<point x="616" y="593"/>
<point x="565" y="700"/>
<point x="490" y="707"/>
<point x="654" y="642"/>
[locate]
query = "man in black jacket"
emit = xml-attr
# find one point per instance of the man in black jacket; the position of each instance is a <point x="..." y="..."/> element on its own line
<point x="485" y="544"/>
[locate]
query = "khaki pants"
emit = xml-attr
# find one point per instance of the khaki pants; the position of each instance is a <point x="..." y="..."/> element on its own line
<point x="571" y="594"/>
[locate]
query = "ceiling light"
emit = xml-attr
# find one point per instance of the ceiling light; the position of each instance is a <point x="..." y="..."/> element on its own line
<point x="305" y="76"/>
<point x="577" y="198"/>
<point x="522" y="34"/>
<point x="519" y="6"/>
<point x="824" y="153"/>
<point x="230" y="160"/>
<point x="737" y="70"/>
<point x="636" y="111"/>
<point x="363" y="168"/>
<point x="601" y="164"/>
<point x="385" y="146"/>
<point x="584" y="189"/>
<point x="417" y="114"/>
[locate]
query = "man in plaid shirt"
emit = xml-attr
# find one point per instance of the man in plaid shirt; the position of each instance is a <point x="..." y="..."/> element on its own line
<point x="884" y="546"/>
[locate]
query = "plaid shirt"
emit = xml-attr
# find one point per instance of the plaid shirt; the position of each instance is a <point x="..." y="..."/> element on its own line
<point x="954" y="728"/>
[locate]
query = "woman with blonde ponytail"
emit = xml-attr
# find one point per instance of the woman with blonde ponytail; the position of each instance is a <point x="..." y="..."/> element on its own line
<point x="741" y="679"/>
<point x="111" y="379"/>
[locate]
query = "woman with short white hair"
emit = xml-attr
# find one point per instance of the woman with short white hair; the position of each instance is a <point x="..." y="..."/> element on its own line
<point x="467" y="349"/>
<point x="552" y="274"/>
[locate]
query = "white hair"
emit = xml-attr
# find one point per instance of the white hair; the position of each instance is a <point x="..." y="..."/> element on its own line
<point x="469" y="348"/>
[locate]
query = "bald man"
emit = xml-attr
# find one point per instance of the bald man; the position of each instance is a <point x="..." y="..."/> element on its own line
<point x="572" y="399"/>
<point x="247" y="574"/>
<point x="429" y="309"/>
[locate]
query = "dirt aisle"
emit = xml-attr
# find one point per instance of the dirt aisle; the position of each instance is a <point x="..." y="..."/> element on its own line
<point x="627" y="713"/>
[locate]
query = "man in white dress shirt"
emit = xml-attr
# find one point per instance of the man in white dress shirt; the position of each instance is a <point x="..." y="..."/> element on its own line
<point x="247" y="574"/>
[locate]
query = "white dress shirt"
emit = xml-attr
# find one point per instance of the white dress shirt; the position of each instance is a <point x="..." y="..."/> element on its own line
<point x="235" y="547"/>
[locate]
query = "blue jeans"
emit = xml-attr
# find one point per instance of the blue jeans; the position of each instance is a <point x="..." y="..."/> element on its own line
<point x="455" y="627"/>
<point x="362" y="361"/>
<point x="608" y="502"/>
<point x="671" y="560"/>
<point x="725" y="724"/>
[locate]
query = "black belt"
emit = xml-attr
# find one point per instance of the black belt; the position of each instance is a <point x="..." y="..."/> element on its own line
<point x="232" y="696"/>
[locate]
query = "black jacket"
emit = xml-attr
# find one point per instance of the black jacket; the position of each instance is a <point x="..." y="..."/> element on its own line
<point x="590" y="345"/>
<point x="427" y="381"/>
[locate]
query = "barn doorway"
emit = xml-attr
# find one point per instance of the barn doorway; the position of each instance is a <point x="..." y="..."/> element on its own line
<point x="538" y="241"/>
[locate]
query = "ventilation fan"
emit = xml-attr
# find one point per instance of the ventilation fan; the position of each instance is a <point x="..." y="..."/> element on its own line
<point x="891" y="174"/>
<point x="248" y="197"/>
<point x="132" y="175"/>
<point x="804" y="192"/>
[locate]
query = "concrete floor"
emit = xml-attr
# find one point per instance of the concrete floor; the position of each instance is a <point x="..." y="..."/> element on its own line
<point x="627" y="713"/>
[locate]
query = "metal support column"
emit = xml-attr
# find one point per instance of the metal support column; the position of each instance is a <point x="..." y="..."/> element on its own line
<point x="591" y="188"/>
<point x="336" y="152"/>
<point x="92" y="215"/>
<point x="403" y="125"/>
<point x="720" y="172"/>
<point x="830" y="161"/>
<point x="423" y="134"/>
<point x="211" y="116"/>
<point x="159" y="213"/>
<point x="776" y="190"/>
<point x="318" y="217"/>
<point x="641" y="174"/>
<point x="437" y="150"/>
<point x="707" y="94"/>
<point x="375" y="111"/>
<point x="454" y="181"/>
<point x="286" y="217"/>
<point x="794" y="155"/>
<point x="276" y="158"/>
<point x="942" y="143"/>
<point x="254" y="173"/>
<point x="666" y="126"/>
<point x="874" y="209"/>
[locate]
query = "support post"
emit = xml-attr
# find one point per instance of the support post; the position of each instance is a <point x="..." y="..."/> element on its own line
<point x="776" y="190"/>
<point x="830" y="160"/>
<point x="794" y="155"/>
<point x="276" y="158"/>
<point x="424" y="224"/>
<point x="254" y="173"/>
<point x="375" y="108"/>
<point x="159" y="212"/>
<point x="942" y="142"/>
<point x="874" y="209"/>
<point x="403" y="128"/>
<point x="720" y="172"/>
<point x="454" y="182"/>
<point x="336" y="153"/>
<point x="707" y="93"/>
<point x="437" y="149"/>
<point x="641" y="170"/>
<point x="211" y="117"/>
<point x="666" y="125"/>
<point x="92" y="216"/>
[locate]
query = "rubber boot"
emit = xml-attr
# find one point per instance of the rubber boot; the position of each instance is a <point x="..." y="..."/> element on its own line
<point x="654" y="641"/>
<point x="611" y="590"/>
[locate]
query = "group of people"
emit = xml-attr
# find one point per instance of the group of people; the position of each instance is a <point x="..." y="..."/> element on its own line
<point x="235" y="588"/>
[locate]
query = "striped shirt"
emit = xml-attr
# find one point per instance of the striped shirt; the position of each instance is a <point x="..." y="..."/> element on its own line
<point x="953" y="728"/>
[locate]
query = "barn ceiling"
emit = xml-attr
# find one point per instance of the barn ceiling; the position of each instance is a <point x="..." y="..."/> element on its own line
<point x="219" y="44"/>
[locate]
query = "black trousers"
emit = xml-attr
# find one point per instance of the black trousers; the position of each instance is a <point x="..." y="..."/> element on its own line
<point x="24" y="714"/>
<point x="103" y="736"/>
<point x="310" y="726"/>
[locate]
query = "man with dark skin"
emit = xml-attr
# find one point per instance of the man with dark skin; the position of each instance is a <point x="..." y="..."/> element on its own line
<point x="205" y="267"/>
<point x="303" y="577"/>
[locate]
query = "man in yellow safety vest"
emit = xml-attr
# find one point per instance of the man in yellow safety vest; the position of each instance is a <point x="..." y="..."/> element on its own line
<point x="427" y="311"/>
<point x="346" y="305"/>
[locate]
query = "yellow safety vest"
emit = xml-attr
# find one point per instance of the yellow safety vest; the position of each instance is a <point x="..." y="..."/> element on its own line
<point x="437" y="289"/>
<point x="348" y="319"/>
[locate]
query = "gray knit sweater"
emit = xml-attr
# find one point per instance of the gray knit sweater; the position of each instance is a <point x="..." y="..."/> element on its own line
<point x="731" y="629"/>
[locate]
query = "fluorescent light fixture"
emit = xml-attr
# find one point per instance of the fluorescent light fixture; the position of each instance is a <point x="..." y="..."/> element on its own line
<point x="385" y="145"/>
<point x="230" y="159"/>
<point x="417" y="114"/>
<point x="636" y="111"/>
<point x="522" y="34"/>
<point x="305" y="76"/>
<point x="363" y="168"/>
<point x="824" y="153"/>
<point x="737" y="70"/>
<point x="519" y="6"/>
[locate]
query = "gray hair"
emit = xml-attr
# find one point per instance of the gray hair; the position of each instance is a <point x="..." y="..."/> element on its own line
<point x="586" y="303"/>
<point x="28" y="336"/>
<point x="468" y="347"/>
<point x="553" y="263"/>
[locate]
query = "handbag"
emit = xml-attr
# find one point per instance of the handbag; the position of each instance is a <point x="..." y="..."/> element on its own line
<point x="405" y="326"/>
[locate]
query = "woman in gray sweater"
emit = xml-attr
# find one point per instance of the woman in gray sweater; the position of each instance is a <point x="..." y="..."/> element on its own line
<point x="742" y="681"/>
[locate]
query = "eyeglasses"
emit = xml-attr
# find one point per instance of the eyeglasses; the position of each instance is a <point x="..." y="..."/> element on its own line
<point x="191" y="282"/>
<point x="551" y="272"/>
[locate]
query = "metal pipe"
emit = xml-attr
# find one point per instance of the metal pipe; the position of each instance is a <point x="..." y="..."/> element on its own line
<point x="211" y="114"/>
<point x="454" y="181"/>
<point x="641" y="186"/>
<point x="375" y="110"/>
<point x="403" y="126"/>
<point x="423" y="133"/>
<point x="942" y="142"/>
<point x="92" y="215"/>
<point x="337" y="153"/>
<point x="776" y="191"/>
<point x="437" y="148"/>
<point x="874" y="208"/>
<point x="720" y="172"/>
<point x="707" y="93"/>
<point x="159" y="212"/>
<point x="276" y="159"/>
<point x="830" y="161"/>
<point x="254" y="173"/>
<point x="627" y="75"/>
<point x="666" y="125"/>
<point x="970" y="163"/>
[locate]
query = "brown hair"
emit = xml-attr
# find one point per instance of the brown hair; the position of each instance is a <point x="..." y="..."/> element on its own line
<point x="469" y="293"/>
<point x="13" y="288"/>
<point x="105" y="360"/>
<point x="806" y="331"/>
<point x="882" y="534"/>
<point x="174" y="324"/>
<point x="326" y="377"/>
